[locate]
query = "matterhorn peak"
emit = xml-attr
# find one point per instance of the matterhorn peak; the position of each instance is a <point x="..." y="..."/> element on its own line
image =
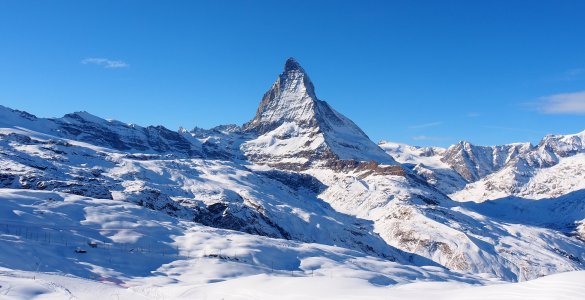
<point x="290" y="99"/>
<point x="291" y="115"/>
<point x="292" y="65"/>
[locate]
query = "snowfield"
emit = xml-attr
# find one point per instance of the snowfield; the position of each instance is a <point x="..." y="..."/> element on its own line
<point x="143" y="254"/>
<point x="145" y="251"/>
<point x="21" y="285"/>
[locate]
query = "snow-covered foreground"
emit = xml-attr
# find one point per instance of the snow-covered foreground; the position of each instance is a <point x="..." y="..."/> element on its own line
<point x="560" y="286"/>
<point x="145" y="254"/>
<point x="153" y="254"/>
<point x="21" y="285"/>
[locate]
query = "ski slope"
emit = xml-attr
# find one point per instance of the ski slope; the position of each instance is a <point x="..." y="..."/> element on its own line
<point x="20" y="285"/>
<point x="150" y="252"/>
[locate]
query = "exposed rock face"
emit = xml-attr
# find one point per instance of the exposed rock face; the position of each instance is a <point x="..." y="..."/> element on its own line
<point x="554" y="147"/>
<point x="474" y="162"/>
<point x="296" y="130"/>
<point x="370" y="167"/>
<point x="552" y="168"/>
<point x="228" y="214"/>
<point x="467" y="172"/>
<point x="296" y="181"/>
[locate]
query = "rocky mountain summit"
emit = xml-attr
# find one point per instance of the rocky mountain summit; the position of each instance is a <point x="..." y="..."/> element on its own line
<point x="296" y="130"/>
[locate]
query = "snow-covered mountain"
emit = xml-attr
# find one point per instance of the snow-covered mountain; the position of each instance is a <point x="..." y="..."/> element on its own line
<point x="300" y="174"/>
<point x="428" y="163"/>
<point x="469" y="172"/>
<point x="297" y="130"/>
<point x="84" y="127"/>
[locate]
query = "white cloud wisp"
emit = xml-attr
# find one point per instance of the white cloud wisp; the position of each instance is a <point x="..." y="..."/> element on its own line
<point x="104" y="62"/>
<point x="568" y="103"/>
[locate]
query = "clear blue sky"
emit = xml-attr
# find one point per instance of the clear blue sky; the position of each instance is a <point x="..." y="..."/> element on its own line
<point x="419" y="72"/>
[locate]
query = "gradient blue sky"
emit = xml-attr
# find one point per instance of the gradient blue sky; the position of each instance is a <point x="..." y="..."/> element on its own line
<point x="419" y="72"/>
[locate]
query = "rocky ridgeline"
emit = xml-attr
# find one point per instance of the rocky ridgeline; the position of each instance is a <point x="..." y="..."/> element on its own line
<point x="370" y="167"/>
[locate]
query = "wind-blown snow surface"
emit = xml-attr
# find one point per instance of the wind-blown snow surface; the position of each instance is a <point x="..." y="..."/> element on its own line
<point x="143" y="254"/>
<point x="19" y="285"/>
<point x="150" y="252"/>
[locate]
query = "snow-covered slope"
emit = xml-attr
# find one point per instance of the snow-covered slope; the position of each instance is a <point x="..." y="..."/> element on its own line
<point x="428" y="163"/>
<point x="296" y="129"/>
<point x="20" y="285"/>
<point x="155" y="255"/>
<point x="416" y="219"/>
<point x="560" y="286"/>
<point x="144" y="254"/>
<point x="84" y="127"/>
<point x="219" y="193"/>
